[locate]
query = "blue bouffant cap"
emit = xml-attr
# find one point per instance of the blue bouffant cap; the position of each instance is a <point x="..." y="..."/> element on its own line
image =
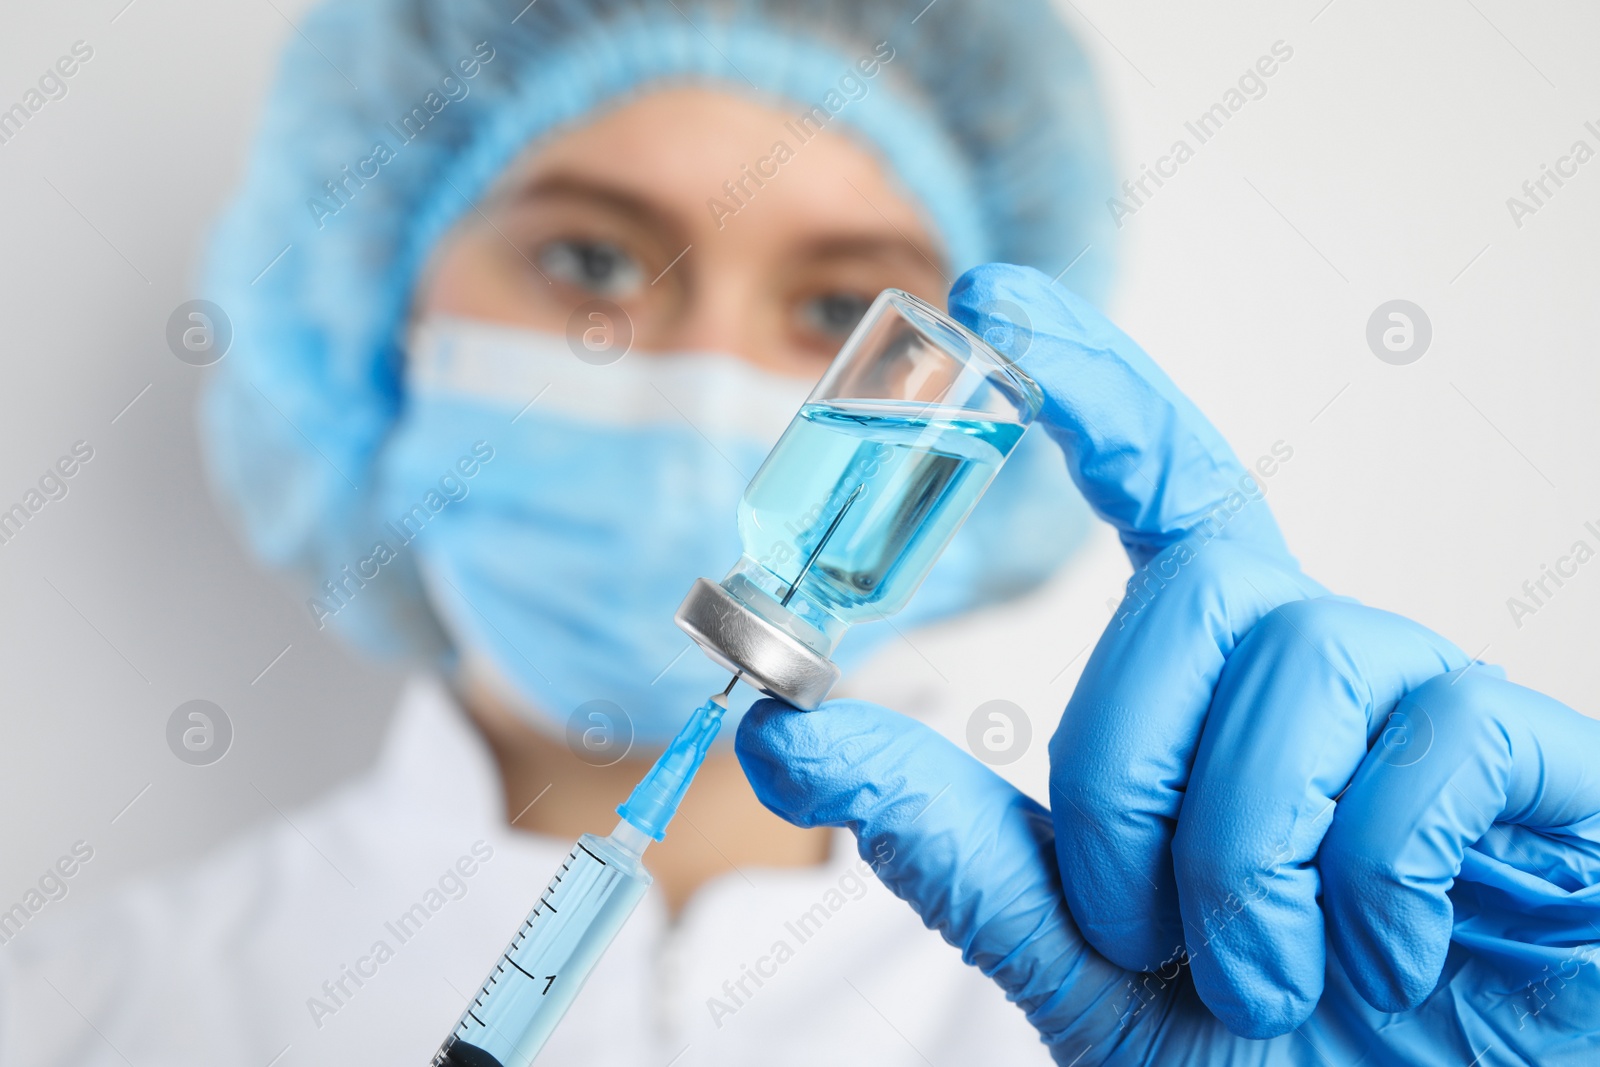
<point x="389" y="117"/>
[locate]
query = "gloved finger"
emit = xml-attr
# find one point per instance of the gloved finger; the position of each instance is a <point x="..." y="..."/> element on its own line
<point x="1288" y="727"/>
<point x="1194" y="522"/>
<point x="1412" y="826"/>
<point x="1120" y="759"/>
<point x="1144" y="456"/>
<point x="944" y="833"/>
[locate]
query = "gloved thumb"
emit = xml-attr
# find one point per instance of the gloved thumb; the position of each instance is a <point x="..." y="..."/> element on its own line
<point x="1143" y="455"/>
<point x="973" y="856"/>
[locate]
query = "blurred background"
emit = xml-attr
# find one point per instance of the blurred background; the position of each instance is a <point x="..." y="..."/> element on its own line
<point x="1375" y="166"/>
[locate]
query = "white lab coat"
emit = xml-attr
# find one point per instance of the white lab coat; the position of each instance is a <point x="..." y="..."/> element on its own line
<point x="286" y="948"/>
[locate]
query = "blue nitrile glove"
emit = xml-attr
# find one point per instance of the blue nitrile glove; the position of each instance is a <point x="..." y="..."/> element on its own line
<point x="976" y="859"/>
<point x="1296" y="702"/>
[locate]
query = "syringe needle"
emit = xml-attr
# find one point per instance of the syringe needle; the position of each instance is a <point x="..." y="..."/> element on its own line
<point x="794" y="586"/>
<point x="722" y="697"/>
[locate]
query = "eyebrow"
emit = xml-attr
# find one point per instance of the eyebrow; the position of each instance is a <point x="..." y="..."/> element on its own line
<point x="576" y="187"/>
<point x="885" y="245"/>
<point x="891" y="244"/>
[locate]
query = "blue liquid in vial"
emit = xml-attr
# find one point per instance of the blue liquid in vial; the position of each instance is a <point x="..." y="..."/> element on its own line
<point x="914" y="471"/>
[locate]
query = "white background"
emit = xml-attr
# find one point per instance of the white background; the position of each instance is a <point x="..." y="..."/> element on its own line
<point x="1377" y="166"/>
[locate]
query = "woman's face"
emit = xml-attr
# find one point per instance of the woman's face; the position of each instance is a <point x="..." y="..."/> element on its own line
<point x="632" y="209"/>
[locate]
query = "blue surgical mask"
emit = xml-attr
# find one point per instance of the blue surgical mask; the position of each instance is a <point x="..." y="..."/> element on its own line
<point x="611" y="488"/>
<point x="600" y="493"/>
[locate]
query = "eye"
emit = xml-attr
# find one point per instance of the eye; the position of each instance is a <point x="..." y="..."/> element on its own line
<point x="601" y="267"/>
<point x="834" y="314"/>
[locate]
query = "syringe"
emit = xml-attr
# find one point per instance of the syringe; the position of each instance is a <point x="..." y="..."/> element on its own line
<point x="602" y="880"/>
<point x="541" y="972"/>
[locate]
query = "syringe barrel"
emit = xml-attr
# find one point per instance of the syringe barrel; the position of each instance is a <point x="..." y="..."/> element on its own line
<point x="541" y="972"/>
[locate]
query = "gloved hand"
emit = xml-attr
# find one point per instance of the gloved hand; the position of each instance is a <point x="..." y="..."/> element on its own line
<point x="1194" y="778"/>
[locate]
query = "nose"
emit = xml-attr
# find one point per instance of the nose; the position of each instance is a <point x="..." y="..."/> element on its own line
<point x="715" y="316"/>
<point x="723" y="310"/>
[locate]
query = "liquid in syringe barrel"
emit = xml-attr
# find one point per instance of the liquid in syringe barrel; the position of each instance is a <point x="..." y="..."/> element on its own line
<point x="542" y="970"/>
